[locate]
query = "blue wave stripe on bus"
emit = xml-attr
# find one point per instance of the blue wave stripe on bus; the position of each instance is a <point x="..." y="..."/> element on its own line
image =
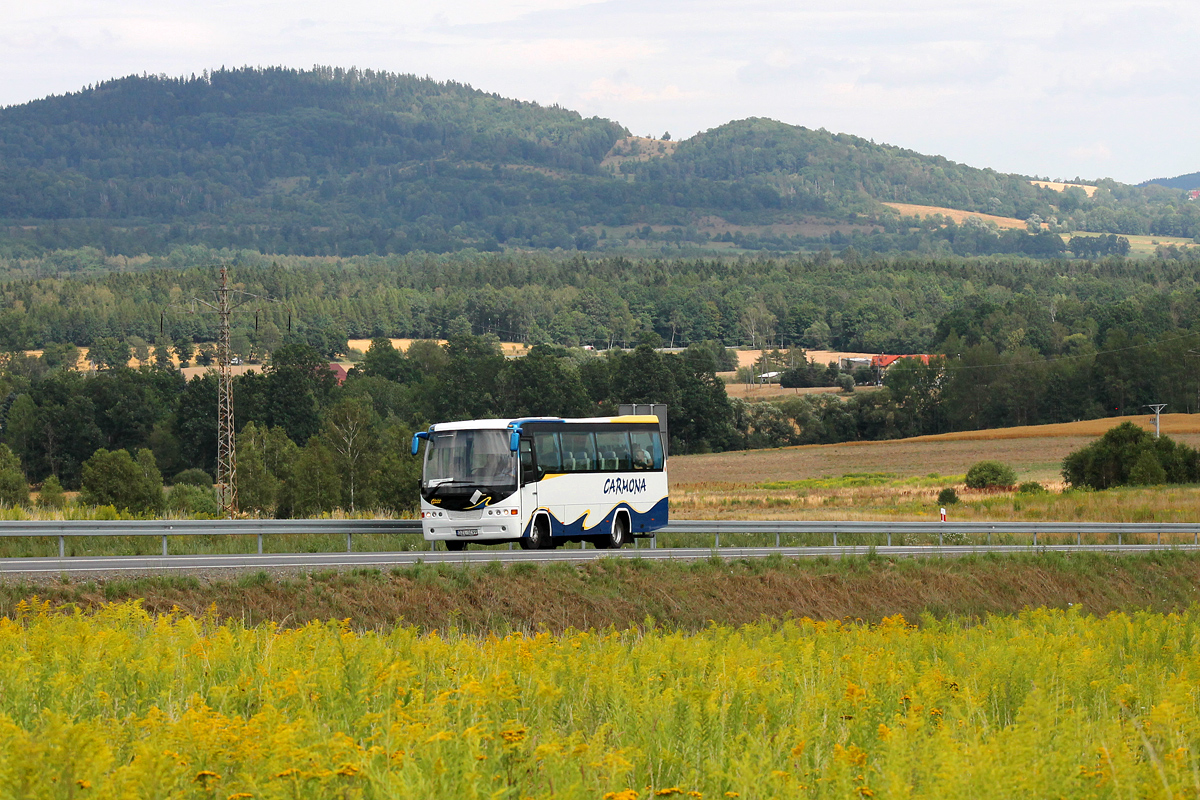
<point x="639" y="521"/>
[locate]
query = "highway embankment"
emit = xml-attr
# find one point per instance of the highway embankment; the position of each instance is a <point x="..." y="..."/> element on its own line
<point x="621" y="593"/>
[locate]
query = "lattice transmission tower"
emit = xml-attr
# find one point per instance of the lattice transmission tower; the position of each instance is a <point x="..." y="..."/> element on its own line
<point x="227" y="301"/>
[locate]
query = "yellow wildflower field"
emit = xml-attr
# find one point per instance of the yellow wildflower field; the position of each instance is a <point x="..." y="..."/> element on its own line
<point x="120" y="703"/>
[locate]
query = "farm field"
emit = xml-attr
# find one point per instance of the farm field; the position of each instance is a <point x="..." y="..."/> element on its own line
<point x="362" y="345"/>
<point x="1139" y="246"/>
<point x="1059" y="186"/>
<point x="912" y="210"/>
<point x="770" y="391"/>
<point x="748" y="357"/>
<point x="1146" y="245"/>
<point x="119" y="702"/>
<point x="901" y="479"/>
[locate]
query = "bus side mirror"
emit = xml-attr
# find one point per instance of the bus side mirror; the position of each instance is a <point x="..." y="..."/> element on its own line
<point x="514" y="441"/>
<point x="416" y="442"/>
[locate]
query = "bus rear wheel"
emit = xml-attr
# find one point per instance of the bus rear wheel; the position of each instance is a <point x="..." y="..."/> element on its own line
<point x="618" y="536"/>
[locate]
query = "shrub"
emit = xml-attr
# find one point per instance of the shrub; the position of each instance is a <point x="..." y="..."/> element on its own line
<point x="947" y="497"/>
<point x="194" y="477"/>
<point x="52" y="494"/>
<point x="1129" y="454"/>
<point x="990" y="474"/>
<point x="1031" y="487"/>
<point x="189" y="500"/>
<point x="116" y="479"/>
<point x="14" y="490"/>
<point x="1147" y="471"/>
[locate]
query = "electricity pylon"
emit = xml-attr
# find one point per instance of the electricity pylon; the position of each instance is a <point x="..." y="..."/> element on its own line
<point x="227" y="301"/>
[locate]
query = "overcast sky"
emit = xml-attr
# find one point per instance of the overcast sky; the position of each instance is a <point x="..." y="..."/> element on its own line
<point x="1093" y="88"/>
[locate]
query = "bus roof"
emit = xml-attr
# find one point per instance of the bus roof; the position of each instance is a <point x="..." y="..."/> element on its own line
<point x="501" y="424"/>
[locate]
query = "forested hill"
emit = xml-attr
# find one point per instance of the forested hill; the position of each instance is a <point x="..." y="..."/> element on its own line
<point x="828" y="170"/>
<point x="342" y="162"/>
<point x="1189" y="181"/>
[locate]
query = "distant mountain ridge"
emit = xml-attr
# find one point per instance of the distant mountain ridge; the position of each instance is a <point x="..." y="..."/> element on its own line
<point x="1189" y="181"/>
<point x="338" y="162"/>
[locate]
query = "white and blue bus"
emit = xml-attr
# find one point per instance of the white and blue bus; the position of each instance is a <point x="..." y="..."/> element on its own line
<point x="543" y="481"/>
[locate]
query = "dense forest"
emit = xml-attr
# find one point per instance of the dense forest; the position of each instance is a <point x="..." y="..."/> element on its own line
<point x="343" y="162"/>
<point x="851" y="301"/>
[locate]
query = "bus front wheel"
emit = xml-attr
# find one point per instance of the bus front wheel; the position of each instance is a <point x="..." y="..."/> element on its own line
<point x="539" y="536"/>
<point x="455" y="547"/>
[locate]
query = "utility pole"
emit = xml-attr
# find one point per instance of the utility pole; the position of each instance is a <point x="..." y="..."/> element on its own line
<point x="224" y="306"/>
<point x="1157" y="407"/>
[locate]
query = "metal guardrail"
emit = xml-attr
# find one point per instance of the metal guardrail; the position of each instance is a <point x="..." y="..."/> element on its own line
<point x="941" y="529"/>
<point x="350" y="527"/>
<point x="205" y="527"/>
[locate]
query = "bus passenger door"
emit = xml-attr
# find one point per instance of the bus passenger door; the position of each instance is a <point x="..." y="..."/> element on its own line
<point x="529" y="480"/>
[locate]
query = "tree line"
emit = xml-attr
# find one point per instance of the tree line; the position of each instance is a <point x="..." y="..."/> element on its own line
<point x="307" y="444"/>
<point x="850" y="301"/>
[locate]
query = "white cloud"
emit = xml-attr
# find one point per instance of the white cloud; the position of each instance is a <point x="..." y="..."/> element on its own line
<point x="1013" y="84"/>
<point x="608" y="91"/>
<point x="1097" y="151"/>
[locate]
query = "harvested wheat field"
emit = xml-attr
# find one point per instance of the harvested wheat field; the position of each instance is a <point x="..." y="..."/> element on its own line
<point x="902" y="478"/>
<point x="747" y="358"/>
<point x="509" y="348"/>
<point x="772" y="391"/>
<point x="1059" y="186"/>
<point x="1035" y="451"/>
<point x="959" y="216"/>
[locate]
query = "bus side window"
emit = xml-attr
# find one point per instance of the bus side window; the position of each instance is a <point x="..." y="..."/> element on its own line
<point x="647" y="450"/>
<point x="579" y="452"/>
<point x="549" y="457"/>
<point x="657" y="449"/>
<point x="614" y="449"/>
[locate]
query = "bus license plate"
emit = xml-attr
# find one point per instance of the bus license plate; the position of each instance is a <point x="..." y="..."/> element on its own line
<point x="467" y="532"/>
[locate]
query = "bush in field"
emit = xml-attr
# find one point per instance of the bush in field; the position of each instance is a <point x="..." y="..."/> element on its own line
<point x="52" y="494"/>
<point x="14" y="490"/>
<point x="990" y="475"/>
<point x="1128" y="454"/>
<point x="187" y="500"/>
<point x="194" y="477"/>
<point x="947" y="497"/>
<point x="117" y="479"/>
<point x="1031" y="487"/>
<point x="1147" y="471"/>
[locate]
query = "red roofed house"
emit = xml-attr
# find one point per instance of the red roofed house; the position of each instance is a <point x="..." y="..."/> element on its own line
<point x="883" y="362"/>
<point x="338" y="371"/>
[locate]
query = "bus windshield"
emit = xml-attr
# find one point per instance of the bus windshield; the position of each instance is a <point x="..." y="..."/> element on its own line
<point x="469" y="458"/>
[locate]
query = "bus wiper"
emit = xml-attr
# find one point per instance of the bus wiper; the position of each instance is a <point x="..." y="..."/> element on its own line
<point x="433" y="487"/>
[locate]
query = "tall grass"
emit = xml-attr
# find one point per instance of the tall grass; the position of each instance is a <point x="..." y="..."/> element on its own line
<point x="1042" y="704"/>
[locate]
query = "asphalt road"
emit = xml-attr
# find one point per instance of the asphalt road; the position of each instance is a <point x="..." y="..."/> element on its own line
<point x="125" y="565"/>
